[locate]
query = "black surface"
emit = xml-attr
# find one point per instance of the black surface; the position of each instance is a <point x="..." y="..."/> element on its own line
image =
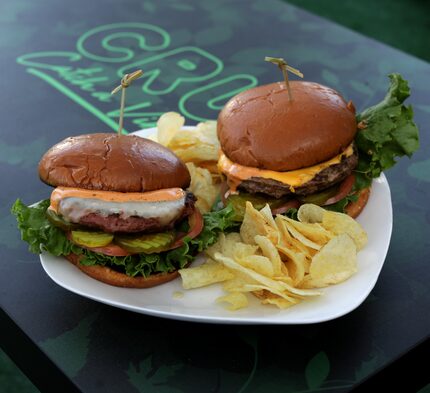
<point x="35" y="364"/>
<point x="409" y="370"/>
<point x="101" y="348"/>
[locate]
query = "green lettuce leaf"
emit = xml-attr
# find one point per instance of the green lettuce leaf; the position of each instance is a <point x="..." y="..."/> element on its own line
<point x="41" y="235"/>
<point x="389" y="133"/>
<point x="341" y="205"/>
<point x="38" y="232"/>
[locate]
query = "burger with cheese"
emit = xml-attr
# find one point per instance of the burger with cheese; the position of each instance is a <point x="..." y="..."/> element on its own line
<point x="311" y="149"/>
<point x="119" y="211"/>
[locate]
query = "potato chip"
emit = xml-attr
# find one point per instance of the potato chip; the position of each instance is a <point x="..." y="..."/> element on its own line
<point x="270" y="252"/>
<point x="284" y="270"/>
<point x="306" y="282"/>
<point x="212" y="167"/>
<point x="267" y="214"/>
<point x="296" y="292"/>
<point x="279" y="302"/>
<point x="203" y="187"/>
<point x="268" y="297"/>
<point x="297" y="264"/>
<point x="193" y="151"/>
<point x="260" y="294"/>
<point x="265" y="292"/>
<point x="337" y="223"/>
<point x="238" y="283"/>
<point x="335" y="262"/>
<point x="224" y="245"/>
<point x="268" y="282"/>
<point x="258" y="263"/>
<point x="230" y="263"/>
<point x="198" y="145"/>
<point x="168" y="126"/>
<point x="298" y="235"/>
<point x="208" y="129"/>
<point x="272" y="230"/>
<point x="340" y="223"/>
<point x="237" y="300"/>
<point x="216" y="247"/>
<point x="310" y="213"/>
<point x="242" y="250"/>
<point x="254" y="223"/>
<point x="287" y="241"/>
<point x="230" y="243"/>
<point x="314" y="232"/>
<point x="208" y="273"/>
<point x="286" y="279"/>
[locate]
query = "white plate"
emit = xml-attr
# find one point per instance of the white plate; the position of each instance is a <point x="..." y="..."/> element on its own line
<point x="199" y="305"/>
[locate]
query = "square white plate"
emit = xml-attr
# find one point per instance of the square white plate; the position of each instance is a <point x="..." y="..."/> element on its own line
<point x="199" y="305"/>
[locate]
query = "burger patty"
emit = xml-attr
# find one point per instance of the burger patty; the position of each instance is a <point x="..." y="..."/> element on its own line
<point x="115" y="223"/>
<point x="324" y="179"/>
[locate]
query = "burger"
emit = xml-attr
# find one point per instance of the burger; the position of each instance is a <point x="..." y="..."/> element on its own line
<point x="119" y="210"/>
<point x="287" y="152"/>
<point x="311" y="149"/>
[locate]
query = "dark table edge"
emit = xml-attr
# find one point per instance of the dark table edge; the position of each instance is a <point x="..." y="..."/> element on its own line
<point x="32" y="361"/>
<point x="409" y="367"/>
<point x="409" y="371"/>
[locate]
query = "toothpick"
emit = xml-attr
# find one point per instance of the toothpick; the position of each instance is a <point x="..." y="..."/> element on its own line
<point x="284" y="67"/>
<point x="125" y="82"/>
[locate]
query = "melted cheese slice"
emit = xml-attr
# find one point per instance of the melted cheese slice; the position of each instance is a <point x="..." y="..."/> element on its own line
<point x="164" y="195"/>
<point x="237" y="173"/>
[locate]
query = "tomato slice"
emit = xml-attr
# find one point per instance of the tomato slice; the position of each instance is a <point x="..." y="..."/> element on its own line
<point x="291" y="204"/>
<point x="344" y="189"/>
<point x="196" y="226"/>
<point x="113" y="250"/>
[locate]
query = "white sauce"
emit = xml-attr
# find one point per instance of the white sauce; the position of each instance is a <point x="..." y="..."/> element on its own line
<point x="72" y="209"/>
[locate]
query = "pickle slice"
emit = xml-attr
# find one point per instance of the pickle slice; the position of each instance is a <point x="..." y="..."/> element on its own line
<point x="238" y="202"/>
<point x="60" y="222"/>
<point x="320" y="197"/>
<point x="91" y="239"/>
<point x="147" y="244"/>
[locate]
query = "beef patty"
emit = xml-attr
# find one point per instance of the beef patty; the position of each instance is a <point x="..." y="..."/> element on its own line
<point x="324" y="179"/>
<point x="115" y="223"/>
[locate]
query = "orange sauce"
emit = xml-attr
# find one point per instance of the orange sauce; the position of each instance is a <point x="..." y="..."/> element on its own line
<point x="167" y="194"/>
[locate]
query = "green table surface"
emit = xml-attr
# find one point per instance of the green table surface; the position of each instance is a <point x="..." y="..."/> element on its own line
<point x="59" y="61"/>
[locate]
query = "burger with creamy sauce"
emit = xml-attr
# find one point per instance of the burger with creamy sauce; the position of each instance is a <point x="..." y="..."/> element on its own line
<point x="288" y="152"/>
<point x="119" y="210"/>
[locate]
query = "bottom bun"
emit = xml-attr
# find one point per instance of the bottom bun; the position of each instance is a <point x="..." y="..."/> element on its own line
<point x="353" y="209"/>
<point x="112" y="277"/>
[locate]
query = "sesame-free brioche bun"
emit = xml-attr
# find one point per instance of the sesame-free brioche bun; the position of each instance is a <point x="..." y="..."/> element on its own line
<point x="112" y="162"/>
<point x="262" y="128"/>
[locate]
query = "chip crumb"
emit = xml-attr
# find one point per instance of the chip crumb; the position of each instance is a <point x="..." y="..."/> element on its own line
<point x="178" y="295"/>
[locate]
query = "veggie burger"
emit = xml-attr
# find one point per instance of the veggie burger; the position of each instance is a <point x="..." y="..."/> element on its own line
<point x="119" y="203"/>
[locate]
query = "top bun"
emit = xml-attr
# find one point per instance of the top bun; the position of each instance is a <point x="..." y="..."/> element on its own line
<point x="112" y="162"/>
<point x="262" y="128"/>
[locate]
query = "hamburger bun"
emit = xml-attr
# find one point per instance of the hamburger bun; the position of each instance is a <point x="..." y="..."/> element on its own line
<point x="262" y="128"/>
<point x="112" y="277"/>
<point x="112" y="162"/>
